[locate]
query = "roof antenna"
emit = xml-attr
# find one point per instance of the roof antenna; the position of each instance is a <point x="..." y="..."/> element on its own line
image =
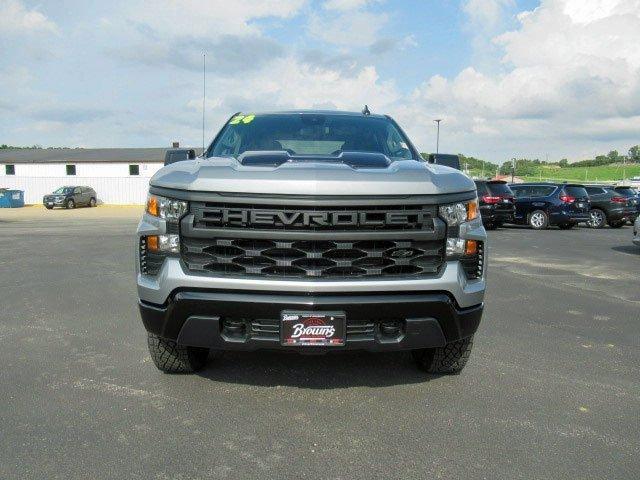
<point x="365" y="110"/>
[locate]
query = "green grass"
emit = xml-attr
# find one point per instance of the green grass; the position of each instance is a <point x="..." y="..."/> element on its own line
<point x="605" y="173"/>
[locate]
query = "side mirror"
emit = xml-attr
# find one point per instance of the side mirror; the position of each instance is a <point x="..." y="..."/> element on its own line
<point x="445" y="159"/>
<point x="174" y="155"/>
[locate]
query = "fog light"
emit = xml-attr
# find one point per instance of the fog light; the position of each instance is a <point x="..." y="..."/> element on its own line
<point x="455" y="247"/>
<point x="163" y="243"/>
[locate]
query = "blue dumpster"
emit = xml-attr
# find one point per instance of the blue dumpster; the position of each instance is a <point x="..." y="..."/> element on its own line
<point x="11" y="198"/>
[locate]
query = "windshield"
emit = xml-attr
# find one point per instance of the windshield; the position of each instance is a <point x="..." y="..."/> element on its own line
<point x="63" y="190"/>
<point x="311" y="134"/>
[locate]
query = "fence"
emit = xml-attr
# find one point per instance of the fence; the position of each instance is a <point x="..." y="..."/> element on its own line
<point x="110" y="190"/>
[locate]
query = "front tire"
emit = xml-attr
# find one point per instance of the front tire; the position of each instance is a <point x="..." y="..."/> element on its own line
<point x="539" y="220"/>
<point x="48" y="207"/>
<point x="70" y="204"/>
<point x="169" y="357"/>
<point x="618" y="224"/>
<point x="449" y="359"/>
<point x="598" y="218"/>
<point x="92" y="202"/>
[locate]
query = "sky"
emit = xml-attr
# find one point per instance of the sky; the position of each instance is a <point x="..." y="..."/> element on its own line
<point x="509" y="78"/>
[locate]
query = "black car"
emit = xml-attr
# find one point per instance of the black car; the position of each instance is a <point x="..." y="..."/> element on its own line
<point x="70" y="197"/>
<point x="541" y="205"/>
<point x="608" y="206"/>
<point x="633" y="200"/>
<point x="497" y="204"/>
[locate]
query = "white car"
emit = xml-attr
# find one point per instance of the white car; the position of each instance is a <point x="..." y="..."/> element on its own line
<point x="636" y="231"/>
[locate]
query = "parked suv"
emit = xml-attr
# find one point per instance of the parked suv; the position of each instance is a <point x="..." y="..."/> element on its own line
<point x="70" y="197"/>
<point x="497" y="205"/>
<point x="541" y="205"/>
<point x="633" y="200"/>
<point x="608" y="207"/>
<point x="311" y="231"/>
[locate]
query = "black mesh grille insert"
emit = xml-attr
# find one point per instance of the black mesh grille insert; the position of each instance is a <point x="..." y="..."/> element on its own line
<point x="313" y="259"/>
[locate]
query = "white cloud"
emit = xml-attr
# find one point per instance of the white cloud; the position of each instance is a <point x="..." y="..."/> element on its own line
<point x="16" y="18"/>
<point x="210" y="18"/>
<point x="571" y="74"/>
<point x="344" y="5"/>
<point x="305" y="87"/>
<point x="348" y="29"/>
<point x="486" y="14"/>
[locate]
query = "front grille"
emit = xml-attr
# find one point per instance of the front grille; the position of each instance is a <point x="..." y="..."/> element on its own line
<point x="312" y="242"/>
<point x="311" y="258"/>
<point x="150" y="262"/>
<point x="277" y="217"/>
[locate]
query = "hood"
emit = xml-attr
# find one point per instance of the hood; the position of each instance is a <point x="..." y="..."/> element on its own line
<point x="309" y="176"/>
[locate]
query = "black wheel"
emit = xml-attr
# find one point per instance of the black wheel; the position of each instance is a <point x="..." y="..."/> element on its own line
<point x="539" y="220"/>
<point x="618" y="224"/>
<point x="92" y="202"/>
<point x="448" y="359"/>
<point x="597" y="218"/>
<point x="566" y="226"/>
<point x="49" y="207"/>
<point x="71" y="203"/>
<point x="170" y="357"/>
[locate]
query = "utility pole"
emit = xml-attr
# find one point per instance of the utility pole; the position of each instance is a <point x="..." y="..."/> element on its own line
<point x="438" y="120"/>
<point x="513" y="168"/>
<point x="204" y="93"/>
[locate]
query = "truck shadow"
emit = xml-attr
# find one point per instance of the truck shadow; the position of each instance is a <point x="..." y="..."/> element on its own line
<point x="333" y="370"/>
<point x="628" y="249"/>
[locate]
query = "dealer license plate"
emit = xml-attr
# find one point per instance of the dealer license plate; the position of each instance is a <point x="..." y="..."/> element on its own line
<point x="313" y="329"/>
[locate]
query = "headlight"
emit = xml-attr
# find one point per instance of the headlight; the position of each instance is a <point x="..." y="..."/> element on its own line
<point x="456" y="213"/>
<point x="166" y="208"/>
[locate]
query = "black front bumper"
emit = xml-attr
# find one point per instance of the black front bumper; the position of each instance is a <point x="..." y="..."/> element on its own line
<point x="501" y="214"/>
<point x="199" y="318"/>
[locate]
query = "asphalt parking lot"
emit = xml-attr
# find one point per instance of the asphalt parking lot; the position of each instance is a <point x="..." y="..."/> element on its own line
<point x="552" y="389"/>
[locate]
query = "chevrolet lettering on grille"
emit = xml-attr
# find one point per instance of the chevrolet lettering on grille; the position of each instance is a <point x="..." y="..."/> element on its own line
<point x="293" y="218"/>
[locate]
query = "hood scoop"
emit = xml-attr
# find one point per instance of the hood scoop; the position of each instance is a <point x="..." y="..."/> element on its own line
<point x="278" y="157"/>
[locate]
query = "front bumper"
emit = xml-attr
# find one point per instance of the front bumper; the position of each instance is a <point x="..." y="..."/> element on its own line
<point x="491" y="214"/>
<point x="199" y="318"/>
<point x="53" y="201"/>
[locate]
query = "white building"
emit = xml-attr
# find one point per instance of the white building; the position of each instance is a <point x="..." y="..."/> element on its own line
<point x="118" y="175"/>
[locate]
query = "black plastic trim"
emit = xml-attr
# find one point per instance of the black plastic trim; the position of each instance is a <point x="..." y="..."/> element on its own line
<point x="313" y="200"/>
<point x="192" y="317"/>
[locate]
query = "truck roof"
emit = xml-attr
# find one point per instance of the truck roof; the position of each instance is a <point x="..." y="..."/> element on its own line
<point x="316" y="112"/>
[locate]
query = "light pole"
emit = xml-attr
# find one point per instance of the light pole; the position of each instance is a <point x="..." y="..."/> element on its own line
<point x="438" y="120"/>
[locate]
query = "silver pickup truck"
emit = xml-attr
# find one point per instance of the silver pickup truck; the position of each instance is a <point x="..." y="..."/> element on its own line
<point x="311" y="231"/>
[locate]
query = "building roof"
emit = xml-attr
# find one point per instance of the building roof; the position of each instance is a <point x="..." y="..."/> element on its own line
<point x="84" y="155"/>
